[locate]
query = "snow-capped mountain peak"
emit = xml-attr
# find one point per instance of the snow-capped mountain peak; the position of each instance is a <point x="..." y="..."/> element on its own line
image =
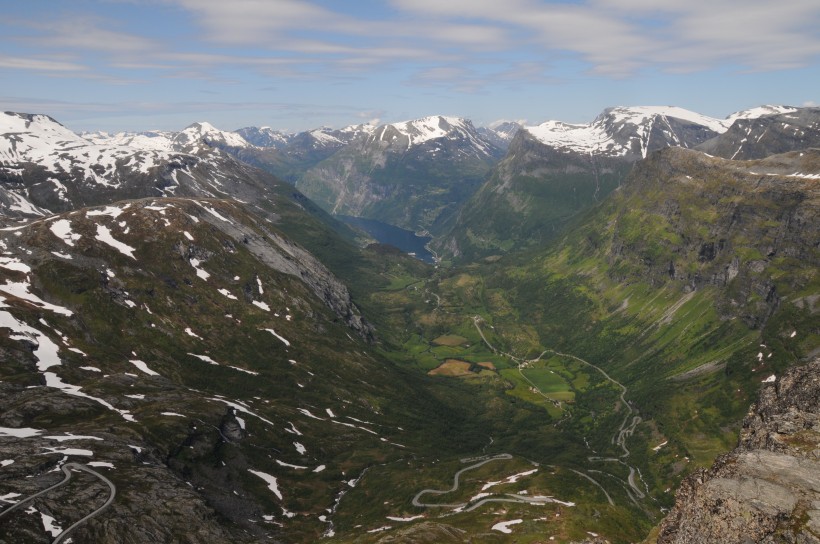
<point x="630" y="131"/>
<point x="505" y="129"/>
<point x="42" y="141"/>
<point x="32" y="134"/>
<point x="154" y="140"/>
<point x="429" y="128"/>
<point x="354" y="131"/>
<point x="638" y="115"/>
<point x="760" y="111"/>
<point x="417" y="132"/>
<point x="324" y="136"/>
<point x="208" y="134"/>
<point x="265" y="137"/>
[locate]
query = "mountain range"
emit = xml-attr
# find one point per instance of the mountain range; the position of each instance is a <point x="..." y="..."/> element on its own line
<point x="555" y="171"/>
<point x="180" y="322"/>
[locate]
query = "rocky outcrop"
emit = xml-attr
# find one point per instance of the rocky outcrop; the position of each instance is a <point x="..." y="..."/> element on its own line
<point x="282" y="255"/>
<point x="768" y="489"/>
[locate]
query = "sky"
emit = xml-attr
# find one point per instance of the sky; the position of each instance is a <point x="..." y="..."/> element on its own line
<point x="131" y="65"/>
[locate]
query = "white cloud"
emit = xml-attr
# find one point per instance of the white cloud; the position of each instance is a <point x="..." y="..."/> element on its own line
<point x="618" y="37"/>
<point x="90" y="33"/>
<point x="45" y="65"/>
<point x="464" y="45"/>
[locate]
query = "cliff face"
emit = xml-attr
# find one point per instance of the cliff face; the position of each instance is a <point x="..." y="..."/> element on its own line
<point x="703" y="221"/>
<point x="768" y="489"/>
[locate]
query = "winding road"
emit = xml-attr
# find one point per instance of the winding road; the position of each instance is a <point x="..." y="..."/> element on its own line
<point x="66" y="468"/>
<point x="457" y="475"/>
<point x="627" y="427"/>
<point x="462" y="507"/>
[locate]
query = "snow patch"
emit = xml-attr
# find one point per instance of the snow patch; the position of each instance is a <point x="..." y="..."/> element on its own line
<point x="104" y="236"/>
<point x="46" y="351"/>
<point x="70" y="451"/>
<point x="270" y="480"/>
<point x="510" y="479"/>
<point x="411" y="518"/>
<point x="199" y="272"/>
<point x="8" y="497"/>
<point x="50" y="525"/>
<point x="307" y="412"/>
<point x="504" y="526"/>
<point x="62" y="230"/>
<point x="273" y="332"/>
<point x="262" y="305"/>
<point x="21" y="291"/>
<point x="11" y="263"/>
<point x="288" y="465"/>
<point x="227" y="293"/>
<point x="144" y="367"/>
<point x="215" y="213"/>
<point x="70" y="436"/>
<point x="22" y="432"/>
<point x="111" y="211"/>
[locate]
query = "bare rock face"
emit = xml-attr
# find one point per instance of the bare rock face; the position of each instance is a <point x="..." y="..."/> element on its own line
<point x="768" y="489"/>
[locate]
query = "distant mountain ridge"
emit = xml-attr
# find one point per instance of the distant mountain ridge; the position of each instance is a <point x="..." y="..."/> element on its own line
<point x="629" y="132"/>
<point x="759" y="137"/>
<point x="422" y="174"/>
<point x="555" y="170"/>
<point x="412" y="174"/>
<point x="265" y="136"/>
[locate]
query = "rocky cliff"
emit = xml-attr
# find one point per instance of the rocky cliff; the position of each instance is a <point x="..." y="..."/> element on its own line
<point x="768" y="488"/>
<point x="703" y="221"/>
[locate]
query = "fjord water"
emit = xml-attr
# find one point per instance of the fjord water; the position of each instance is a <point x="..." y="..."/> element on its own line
<point x="406" y="240"/>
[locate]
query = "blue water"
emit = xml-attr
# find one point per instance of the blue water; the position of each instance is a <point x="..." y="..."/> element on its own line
<point x="405" y="240"/>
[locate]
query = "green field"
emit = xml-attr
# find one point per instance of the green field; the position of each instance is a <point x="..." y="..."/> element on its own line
<point x="550" y="383"/>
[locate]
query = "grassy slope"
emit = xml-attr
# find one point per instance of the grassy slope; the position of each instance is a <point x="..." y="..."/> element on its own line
<point x="599" y="295"/>
<point x="689" y="357"/>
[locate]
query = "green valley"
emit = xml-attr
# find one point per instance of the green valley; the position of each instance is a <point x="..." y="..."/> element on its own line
<point x="242" y="366"/>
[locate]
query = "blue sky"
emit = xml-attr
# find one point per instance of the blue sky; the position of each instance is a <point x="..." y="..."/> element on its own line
<point x="299" y="64"/>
